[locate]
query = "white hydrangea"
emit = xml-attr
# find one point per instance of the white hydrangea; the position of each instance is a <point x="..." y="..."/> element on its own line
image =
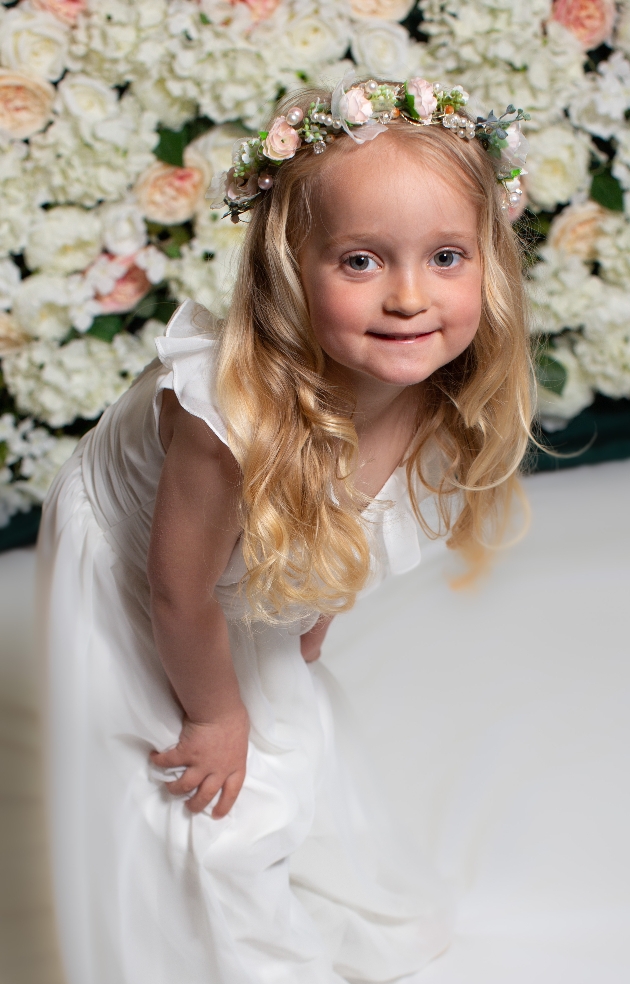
<point x="303" y="34"/>
<point x="613" y="249"/>
<point x="57" y="383"/>
<point x="603" y="349"/>
<point x="193" y="276"/>
<point x="47" y="306"/>
<point x="120" y="38"/>
<point x="9" y="282"/>
<point x="30" y="458"/>
<point x="63" y="240"/>
<point x="83" y="173"/>
<point x="600" y="105"/>
<point x="22" y="190"/>
<point x="137" y="351"/>
<point x="557" y="165"/>
<point x="562" y="291"/>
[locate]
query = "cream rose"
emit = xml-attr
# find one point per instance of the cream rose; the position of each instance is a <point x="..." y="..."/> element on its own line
<point x="282" y="141"/>
<point x="424" y="101"/>
<point x="590" y="21"/>
<point x="89" y="100"/>
<point x="25" y="103"/>
<point x="12" y="337"/>
<point x="354" y="107"/>
<point x="577" y="229"/>
<point x="169" y="194"/>
<point x="64" y="10"/>
<point x="34" y="41"/>
<point x="393" y="10"/>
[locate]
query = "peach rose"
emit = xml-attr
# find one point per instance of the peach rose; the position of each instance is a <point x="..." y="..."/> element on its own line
<point x="259" y="9"/>
<point x="170" y="195"/>
<point x="354" y="107"/>
<point x="64" y="10"/>
<point x="282" y="141"/>
<point x="12" y="337"/>
<point x="590" y="21"/>
<point x="128" y="289"/>
<point x="424" y="101"/>
<point x="25" y="103"/>
<point x="576" y="229"/>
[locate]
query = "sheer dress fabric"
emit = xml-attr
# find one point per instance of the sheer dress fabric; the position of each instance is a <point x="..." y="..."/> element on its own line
<point x="301" y="882"/>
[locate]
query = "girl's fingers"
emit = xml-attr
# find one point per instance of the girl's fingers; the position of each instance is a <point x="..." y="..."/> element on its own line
<point x="231" y="789"/>
<point x="169" y="758"/>
<point x="208" y="789"/>
<point x="185" y="784"/>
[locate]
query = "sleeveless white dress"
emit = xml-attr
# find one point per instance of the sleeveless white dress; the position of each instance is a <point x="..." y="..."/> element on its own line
<point x="298" y="884"/>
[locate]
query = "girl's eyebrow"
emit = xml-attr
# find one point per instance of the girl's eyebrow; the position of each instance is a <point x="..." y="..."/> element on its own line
<point x="442" y="237"/>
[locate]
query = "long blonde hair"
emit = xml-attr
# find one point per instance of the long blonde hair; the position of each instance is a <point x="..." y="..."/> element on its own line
<point x="304" y="539"/>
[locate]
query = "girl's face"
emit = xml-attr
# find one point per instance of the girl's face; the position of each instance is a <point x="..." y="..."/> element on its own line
<point x="391" y="269"/>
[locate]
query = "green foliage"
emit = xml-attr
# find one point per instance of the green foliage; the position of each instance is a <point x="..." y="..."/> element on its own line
<point x="4" y="451"/>
<point x="172" y="143"/>
<point x="170" y="239"/>
<point x="105" y="326"/>
<point x="606" y="190"/>
<point x="550" y="373"/>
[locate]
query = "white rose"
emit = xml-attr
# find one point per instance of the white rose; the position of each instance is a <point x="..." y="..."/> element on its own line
<point x="124" y="229"/>
<point x="64" y="239"/>
<point x="25" y="103"/>
<point x="89" y="100"/>
<point x="216" y="146"/>
<point x="557" y="165"/>
<point x="395" y="10"/>
<point x="382" y="47"/>
<point x="9" y="282"/>
<point x="35" y="41"/>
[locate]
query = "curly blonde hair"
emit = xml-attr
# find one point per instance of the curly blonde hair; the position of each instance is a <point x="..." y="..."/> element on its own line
<point x="305" y="541"/>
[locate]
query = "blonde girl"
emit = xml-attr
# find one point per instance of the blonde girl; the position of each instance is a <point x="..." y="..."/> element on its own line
<point x="370" y="387"/>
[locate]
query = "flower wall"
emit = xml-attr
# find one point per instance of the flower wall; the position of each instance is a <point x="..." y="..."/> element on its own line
<point x="116" y="114"/>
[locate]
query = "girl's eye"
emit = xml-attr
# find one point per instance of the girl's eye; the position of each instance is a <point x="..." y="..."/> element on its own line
<point x="446" y="258"/>
<point x="360" y="263"/>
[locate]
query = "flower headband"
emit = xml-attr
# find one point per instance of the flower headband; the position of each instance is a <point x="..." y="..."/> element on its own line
<point x="363" y="111"/>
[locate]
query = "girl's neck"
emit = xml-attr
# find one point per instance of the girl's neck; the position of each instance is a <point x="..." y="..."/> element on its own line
<point x="376" y="402"/>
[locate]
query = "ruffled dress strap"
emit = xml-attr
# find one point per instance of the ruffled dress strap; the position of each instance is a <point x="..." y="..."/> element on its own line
<point x="188" y="351"/>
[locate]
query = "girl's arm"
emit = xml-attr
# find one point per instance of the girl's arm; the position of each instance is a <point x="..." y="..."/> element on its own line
<point x="195" y="528"/>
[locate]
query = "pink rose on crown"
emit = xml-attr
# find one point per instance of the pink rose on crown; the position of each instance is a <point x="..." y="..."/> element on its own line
<point x="590" y="21"/>
<point x="354" y="107"/>
<point x="424" y="101"/>
<point x="282" y="141"/>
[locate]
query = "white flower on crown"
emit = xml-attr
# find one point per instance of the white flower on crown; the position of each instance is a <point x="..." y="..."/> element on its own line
<point x="34" y="41"/>
<point x="63" y="240"/>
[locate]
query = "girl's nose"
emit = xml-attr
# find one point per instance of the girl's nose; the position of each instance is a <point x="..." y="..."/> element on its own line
<point x="406" y="295"/>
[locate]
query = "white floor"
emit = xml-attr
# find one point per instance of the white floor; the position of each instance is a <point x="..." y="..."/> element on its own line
<point x="498" y="723"/>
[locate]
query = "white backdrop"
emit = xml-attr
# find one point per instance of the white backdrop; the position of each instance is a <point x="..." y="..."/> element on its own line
<point x="497" y="722"/>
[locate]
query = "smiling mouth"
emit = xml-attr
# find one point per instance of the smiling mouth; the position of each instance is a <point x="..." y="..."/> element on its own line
<point x="399" y="337"/>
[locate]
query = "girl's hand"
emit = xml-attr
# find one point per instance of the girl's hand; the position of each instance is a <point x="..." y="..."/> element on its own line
<point x="214" y="755"/>
<point x="311" y="641"/>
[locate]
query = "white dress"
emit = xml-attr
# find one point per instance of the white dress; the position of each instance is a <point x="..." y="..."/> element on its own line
<point x="295" y="885"/>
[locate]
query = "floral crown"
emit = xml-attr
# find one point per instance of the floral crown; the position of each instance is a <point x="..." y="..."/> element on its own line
<point x="363" y="111"/>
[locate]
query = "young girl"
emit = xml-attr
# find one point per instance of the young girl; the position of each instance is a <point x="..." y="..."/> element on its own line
<point x="207" y="827"/>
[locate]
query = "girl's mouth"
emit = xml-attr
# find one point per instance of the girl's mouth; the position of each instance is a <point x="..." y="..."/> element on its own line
<point x="387" y="337"/>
